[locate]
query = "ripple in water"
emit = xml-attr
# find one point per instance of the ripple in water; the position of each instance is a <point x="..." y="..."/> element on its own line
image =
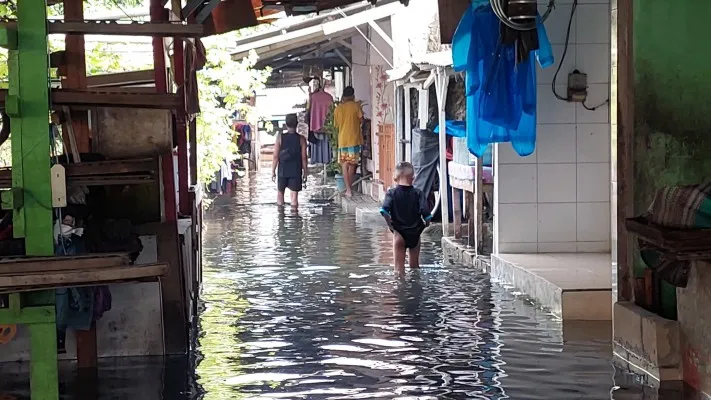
<point x="304" y="306"/>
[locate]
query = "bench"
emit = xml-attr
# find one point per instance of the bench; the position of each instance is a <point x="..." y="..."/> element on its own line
<point x="29" y="285"/>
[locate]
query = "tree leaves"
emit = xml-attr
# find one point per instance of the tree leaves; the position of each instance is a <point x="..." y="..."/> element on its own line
<point x="224" y="86"/>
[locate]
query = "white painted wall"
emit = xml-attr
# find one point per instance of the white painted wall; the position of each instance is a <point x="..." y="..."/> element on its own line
<point x="383" y="107"/>
<point x="558" y="199"/>
<point x="412" y="31"/>
<point x="361" y="71"/>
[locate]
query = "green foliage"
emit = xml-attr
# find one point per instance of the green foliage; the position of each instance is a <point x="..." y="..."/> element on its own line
<point x="329" y="126"/>
<point x="224" y="84"/>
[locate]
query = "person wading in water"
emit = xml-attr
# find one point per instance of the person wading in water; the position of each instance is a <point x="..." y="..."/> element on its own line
<point x="291" y="162"/>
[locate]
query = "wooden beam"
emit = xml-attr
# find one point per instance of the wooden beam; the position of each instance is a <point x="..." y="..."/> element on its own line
<point x="121" y="79"/>
<point x="36" y="280"/>
<point x="75" y="75"/>
<point x="115" y="172"/>
<point x="457" y="210"/>
<point x="116" y="99"/>
<point x="110" y="98"/>
<point x="160" y="29"/>
<point x="624" y="156"/>
<point x="58" y="264"/>
<point x="478" y="210"/>
<point x="206" y="10"/>
<point x="450" y="12"/>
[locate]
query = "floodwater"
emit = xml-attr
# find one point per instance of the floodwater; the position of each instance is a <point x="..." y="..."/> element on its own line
<point x="305" y="305"/>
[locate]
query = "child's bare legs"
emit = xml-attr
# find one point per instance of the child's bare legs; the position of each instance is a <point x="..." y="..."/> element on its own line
<point x="399" y="251"/>
<point x="414" y="254"/>
<point x="280" y="199"/>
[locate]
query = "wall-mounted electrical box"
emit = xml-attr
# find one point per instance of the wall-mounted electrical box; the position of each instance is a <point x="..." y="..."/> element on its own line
<point x="577" y="86"/>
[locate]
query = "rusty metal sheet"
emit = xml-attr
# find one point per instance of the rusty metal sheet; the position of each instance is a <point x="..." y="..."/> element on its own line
<point x="123" y="133"/>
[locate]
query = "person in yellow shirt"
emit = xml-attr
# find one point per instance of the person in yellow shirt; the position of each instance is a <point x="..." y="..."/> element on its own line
<point x="348" y="117"/>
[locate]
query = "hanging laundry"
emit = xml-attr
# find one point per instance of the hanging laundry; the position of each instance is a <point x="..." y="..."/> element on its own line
<point x="500" y="87"/>
<point x="319" y="104"/>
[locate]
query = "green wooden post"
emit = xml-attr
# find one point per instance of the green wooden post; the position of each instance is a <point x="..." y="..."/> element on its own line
<point x="27" y="105"/>
<point x="30" y="157"/>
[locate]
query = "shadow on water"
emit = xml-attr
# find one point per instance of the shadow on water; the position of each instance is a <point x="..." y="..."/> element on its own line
<point x="304" y="305"/>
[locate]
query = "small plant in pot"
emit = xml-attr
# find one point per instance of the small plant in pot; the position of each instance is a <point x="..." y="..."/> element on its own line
<point x="333" y="169"/>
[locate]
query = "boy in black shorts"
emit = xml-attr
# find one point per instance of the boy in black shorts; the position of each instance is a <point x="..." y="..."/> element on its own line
<point x="407" y="213"/>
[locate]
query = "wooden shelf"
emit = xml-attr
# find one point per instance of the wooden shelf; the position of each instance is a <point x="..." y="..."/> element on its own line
<point x="100" y="173"/>
<point x="42" y="280"/>
<point x="37" y="273"/>
<point x="668" y="239"/>
<point x="28" y="265"/>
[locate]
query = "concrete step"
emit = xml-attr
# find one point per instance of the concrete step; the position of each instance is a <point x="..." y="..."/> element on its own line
<point x="574" y="286"/>
<point x="364" y="207"/>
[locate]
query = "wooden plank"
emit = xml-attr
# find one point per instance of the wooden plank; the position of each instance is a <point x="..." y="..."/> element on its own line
<point x="457" y="210"/>
<point x="121" y="79"/>
<point x="675" y="240"/>
<point x="172" y="292"/>
<point x="625" y="149"/>
<point x="116" y="99"/>
<point x="132" y="89"/>
<point x="479" y="204"/>
<point x="160" y="29"/>
<point x="110" y="172"/>
<point x="57" y="264"/>
<point x="470" y="201"/>
<point x="111" y="167"/>
<point x="84" y="99"/>
<point x="74" y="77"/>
<point x="75" y="277"/>
<point x="87" y="350"/>
<point x="450" y="12"/>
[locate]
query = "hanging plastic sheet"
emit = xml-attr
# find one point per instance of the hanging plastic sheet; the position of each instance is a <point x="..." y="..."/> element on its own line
<point x="425" y="158"/>
<point x="501" y="93"/>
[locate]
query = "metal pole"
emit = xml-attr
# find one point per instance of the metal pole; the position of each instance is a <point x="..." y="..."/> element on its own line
<point x="441" y="83"/>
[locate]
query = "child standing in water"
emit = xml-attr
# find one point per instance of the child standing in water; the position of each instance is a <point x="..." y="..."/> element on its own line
<point x="406" y="211"/>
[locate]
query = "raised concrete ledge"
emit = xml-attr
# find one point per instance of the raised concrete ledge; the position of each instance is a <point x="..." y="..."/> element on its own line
<point x="574" y="286"/>
<point x="647" y="344"/>
<point x="365" y="208"/>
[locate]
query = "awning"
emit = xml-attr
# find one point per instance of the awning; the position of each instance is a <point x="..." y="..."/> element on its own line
<point x="321" y="28"/>
<point x="221" y="16"/>
<point x="420" y="67"/>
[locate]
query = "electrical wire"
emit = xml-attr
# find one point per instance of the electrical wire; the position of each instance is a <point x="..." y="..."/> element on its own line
<point x="562" y="60"/>
<point x="585" y="106"/>
<point x="565" y="52"/>
<point x="499" y="10"/>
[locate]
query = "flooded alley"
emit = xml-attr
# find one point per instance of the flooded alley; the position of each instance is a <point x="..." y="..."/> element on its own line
<point x="305" y="306"/>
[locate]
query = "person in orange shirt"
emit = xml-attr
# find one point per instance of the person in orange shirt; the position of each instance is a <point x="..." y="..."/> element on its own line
<point x="348" y="117"/>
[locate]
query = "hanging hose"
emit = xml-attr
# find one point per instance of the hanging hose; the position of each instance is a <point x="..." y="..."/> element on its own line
<point x="500" y="6"/>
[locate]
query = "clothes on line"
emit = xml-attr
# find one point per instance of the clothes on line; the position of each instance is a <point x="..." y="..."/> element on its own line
<point x="319" y="104"/>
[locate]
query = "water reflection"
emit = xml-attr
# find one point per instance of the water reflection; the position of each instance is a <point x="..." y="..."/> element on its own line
<point x="305" y="306"/>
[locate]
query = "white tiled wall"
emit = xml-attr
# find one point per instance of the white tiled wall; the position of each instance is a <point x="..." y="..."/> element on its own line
<point x="558" y="199"/>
